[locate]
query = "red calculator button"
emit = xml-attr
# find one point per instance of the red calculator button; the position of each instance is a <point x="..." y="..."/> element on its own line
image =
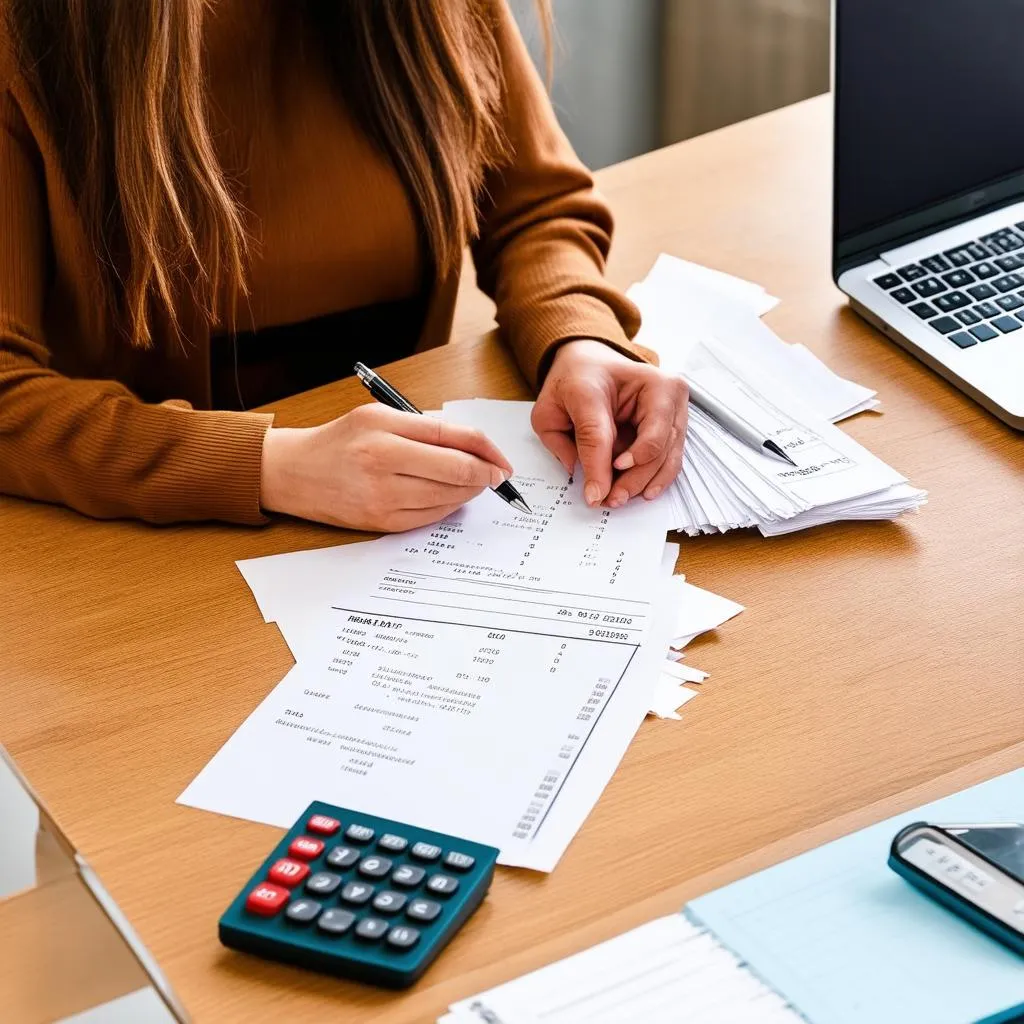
<point x="288" y="872"/>
<point x="266" y="899"/>
<point x="306" y="848"/>
<point x="322" y="824"/>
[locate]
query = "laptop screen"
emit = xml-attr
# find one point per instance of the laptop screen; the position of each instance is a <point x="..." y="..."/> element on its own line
<point x="929" y="100"/>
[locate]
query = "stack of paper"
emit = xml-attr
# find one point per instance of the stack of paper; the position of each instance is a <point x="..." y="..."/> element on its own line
<point x="706" y="327"/>
<point x="482" y="676"/>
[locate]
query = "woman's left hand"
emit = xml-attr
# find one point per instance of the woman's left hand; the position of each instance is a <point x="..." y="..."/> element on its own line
<point x="623" y="420"/>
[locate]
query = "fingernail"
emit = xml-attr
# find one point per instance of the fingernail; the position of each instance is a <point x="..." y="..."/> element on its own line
<point x="625" y="461"/>
<point x="592" y="493"/>
<point x="618" y="498"/>
<point x="652" y="492"/>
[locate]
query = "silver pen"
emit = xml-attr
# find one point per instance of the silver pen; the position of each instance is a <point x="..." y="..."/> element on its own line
<point x="739" y="428"/>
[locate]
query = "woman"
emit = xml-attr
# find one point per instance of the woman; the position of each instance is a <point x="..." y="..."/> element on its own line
<point x="207" y="204"/>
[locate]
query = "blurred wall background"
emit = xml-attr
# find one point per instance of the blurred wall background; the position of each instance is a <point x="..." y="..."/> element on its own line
<point x="632" y="75"/>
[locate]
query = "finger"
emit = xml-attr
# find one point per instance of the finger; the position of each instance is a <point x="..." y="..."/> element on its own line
<point x="562" y="447"/>
<point x="655" y="415"/>
<point x="444" y="465"/>
<point x="412" y="518"/>
<point x="631" y="483"/>
<point x="429" y="430"/>
<point x="594" y="430"/>
<point x="413" y="492"/>
<point x="673" y="464"/>
<point x="553" y="426"/>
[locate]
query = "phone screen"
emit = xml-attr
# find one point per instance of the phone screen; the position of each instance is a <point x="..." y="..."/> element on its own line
<point x="1001" y="844"/>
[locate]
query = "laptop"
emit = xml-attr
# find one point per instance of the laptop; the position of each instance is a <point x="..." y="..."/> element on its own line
<point x="928" y="189"/>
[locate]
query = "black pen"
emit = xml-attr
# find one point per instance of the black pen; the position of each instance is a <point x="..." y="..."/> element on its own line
<point x="387" y="394"/>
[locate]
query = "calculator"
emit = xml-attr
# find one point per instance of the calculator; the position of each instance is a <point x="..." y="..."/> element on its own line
<point x="360" y="896"/>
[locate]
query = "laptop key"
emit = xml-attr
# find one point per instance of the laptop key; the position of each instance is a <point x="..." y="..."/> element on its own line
<point x="889" y="281"/>
<point x="985" y="270"/>
<point x="911" y="272"/>
<point x="936" y="264"/>
<point x="958" y="278"/>
<point x="1006" y="324"/>
<point x="905" y="295"/>
<point x="1008" y="262"/>
<point x="946" y="325"/>
<point x="984" y="333"/>
<point x="952" y="300"/>
<point x="968" y="317"/>
<point x="928" y="287"/>
<point x="1008" y="283"/>
<point x="923" y="310"/>
<point x="959" y="257"/>
<point x="963" y="339"/>
<point x="1009" y="302"/>
<point x="987" y="310"/>
<point x="981" y="291"/>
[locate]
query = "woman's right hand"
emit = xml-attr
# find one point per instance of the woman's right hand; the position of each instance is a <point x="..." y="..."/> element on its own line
<point x="377" y="469"/>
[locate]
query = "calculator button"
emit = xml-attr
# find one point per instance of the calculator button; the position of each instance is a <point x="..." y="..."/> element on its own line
<point x="388" y="902"/>
<point x="266" y="899"/>
<point x="323" y="883"/>
<point x="359" y="833"/>
<point x="392" y="843"/>
<point x="403" y="937"/>
<point x="408" y="876"/>
<point x="306" y="848"/>
<point x="374" y="867"/>
<point x="371" y="928"/>
<point x="288" y="872"/>
<point x="335" y="921"/>
<point x="342" y="857"/>
<point x="357" y="893"/>
<point x="323" y="825"/>
<point x="302" y="911"/>
<point x="444" y="885"/>
<point x="425" y="851"/>
<point x="423" y="910"/>
<point x="459" y="861"/>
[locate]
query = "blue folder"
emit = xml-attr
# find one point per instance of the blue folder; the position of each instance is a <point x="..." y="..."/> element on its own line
<point x="847" y="941"/>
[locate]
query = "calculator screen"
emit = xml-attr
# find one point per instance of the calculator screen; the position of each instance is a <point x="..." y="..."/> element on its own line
<point x="1001" y="844"/>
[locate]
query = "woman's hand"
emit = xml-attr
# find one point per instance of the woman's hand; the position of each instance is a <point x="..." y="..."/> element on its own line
<point x="625" y="421"/>
<point x="377" y="469"/>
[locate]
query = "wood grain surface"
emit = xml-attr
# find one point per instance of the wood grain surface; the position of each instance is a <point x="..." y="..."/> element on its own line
<point x="876" y="663"/>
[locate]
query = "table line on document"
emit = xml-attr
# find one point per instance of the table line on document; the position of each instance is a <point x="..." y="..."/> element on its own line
<point x="507" y="629"/>
<point x="513" y="586"/>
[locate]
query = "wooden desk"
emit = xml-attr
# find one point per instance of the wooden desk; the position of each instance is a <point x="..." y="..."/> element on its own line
<point x="872" y="659"/>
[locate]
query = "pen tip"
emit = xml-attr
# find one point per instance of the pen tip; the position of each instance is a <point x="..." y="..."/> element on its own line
<point x="777" y="449"/>
<point x="521" y="505"/>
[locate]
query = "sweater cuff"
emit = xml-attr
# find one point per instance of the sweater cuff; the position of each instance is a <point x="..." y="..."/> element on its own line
<point x="541" y="329"/>
<point x="216" y="471"/>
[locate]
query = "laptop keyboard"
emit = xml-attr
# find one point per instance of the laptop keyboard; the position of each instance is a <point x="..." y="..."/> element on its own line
<point x="970" y="294"/>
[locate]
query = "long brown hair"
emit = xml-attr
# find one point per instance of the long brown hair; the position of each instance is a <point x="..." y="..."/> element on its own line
<point x="123" y="86"/>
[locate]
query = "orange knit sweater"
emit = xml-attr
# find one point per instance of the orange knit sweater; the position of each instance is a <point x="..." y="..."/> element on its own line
<point x="82" y="415"/>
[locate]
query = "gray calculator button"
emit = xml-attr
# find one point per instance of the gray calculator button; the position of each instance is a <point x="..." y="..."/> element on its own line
<point x="408" y="876"/>
<point x="392" y="843"/>
<point x="302" y="911"/>
<point x="342" y="857"/>
<point x="403" y="937"/>
<point x="445" y="885"/>
<point x="371" y="928"/>
<point x="335" y="921"/>
<point x="374" y="867"/>
<point x="425" y="851"/>
<point x="459" y="861"/>
<point x="423" y="910"/>
<point x="357" y="893"/>
<point x="323" y="883"/>
<point x="388" y="902"/>
<point x="359" y="833"/>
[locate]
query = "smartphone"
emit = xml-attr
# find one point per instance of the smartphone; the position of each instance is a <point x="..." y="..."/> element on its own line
<point x="977" y="871"/>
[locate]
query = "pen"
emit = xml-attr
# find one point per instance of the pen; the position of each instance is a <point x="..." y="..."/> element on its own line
<point x="387" y="394"/>
<point x="739" y="428"/>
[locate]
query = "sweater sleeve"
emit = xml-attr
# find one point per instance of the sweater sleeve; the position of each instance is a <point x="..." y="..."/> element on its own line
<point x="545" y="231"/>
<point x="92" y="444"/>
